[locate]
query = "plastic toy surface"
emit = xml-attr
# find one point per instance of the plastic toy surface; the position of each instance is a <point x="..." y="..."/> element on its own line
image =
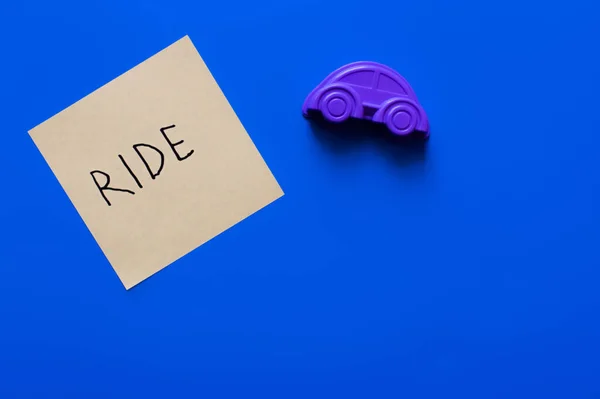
<point x="369" y="91"/>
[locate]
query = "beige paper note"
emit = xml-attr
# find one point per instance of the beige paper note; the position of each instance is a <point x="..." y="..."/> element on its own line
<point x="156" y="162"/>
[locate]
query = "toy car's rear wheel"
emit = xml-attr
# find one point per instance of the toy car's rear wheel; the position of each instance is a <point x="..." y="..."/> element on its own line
<point x="336" y="105"/>
<point x="401" y="118"/>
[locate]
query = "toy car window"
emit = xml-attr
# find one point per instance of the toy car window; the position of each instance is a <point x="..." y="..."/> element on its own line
<point x="359" y="78"/>
<point x="388" y="84"/>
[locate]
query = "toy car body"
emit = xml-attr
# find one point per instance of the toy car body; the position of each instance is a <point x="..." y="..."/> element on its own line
<point x="370" y="91"/>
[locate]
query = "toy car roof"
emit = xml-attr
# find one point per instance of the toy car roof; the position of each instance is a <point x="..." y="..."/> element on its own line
<point x="349" y="69"/>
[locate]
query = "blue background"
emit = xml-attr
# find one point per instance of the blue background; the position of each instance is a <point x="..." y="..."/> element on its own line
<point x="468" y="269"/>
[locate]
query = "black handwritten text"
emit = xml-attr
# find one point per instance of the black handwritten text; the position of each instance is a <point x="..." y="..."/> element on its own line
<point x="143" y="151"/>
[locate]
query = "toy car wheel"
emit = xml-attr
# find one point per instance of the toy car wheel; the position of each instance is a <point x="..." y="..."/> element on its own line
<point x="336" y="105"/>
<point x="401" y="118"/>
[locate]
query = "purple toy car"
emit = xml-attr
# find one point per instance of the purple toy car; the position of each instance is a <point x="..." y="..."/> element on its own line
<point x="371" y="91"/>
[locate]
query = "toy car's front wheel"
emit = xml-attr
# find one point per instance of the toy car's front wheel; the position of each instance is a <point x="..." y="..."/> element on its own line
<point x="337" y="104"/>
<point x="402" y="117"/>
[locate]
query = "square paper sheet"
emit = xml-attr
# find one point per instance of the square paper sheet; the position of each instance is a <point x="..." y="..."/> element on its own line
<point x="156" y="162"/>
